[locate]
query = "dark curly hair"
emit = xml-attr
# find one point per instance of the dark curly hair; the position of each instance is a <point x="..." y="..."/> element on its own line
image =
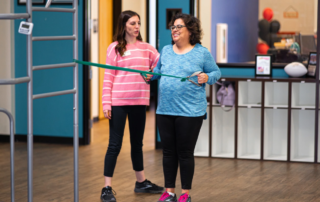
<point x="121" y="33"/>
<point x="192" y="24"/>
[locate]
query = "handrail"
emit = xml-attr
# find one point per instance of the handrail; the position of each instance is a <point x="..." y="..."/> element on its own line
<point x="43" y="95"/>
<point x="40" y="67"/>
<point x="11" y="150"/>
<point x="13" y="16"/>
<point x="14" y="81"/>
<point x="52" y="38"/>
<point x="53" y="9"/>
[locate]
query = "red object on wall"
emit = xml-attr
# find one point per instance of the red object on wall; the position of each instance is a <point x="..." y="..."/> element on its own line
<point x="262" y="48"/>
<point x="268" y="14"/>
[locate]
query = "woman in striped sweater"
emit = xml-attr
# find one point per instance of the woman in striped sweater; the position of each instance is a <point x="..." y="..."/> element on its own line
<point x="127" y="94"/>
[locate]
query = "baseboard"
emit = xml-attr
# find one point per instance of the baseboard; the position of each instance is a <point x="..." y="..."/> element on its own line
<point x="41" y="139"/>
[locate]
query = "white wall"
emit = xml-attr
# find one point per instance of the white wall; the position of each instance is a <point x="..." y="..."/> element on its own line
<point x="305" y="23"/>
<point x="94" y="58"/>
<point x="152" y="22"/>
<point x="7" y="67"/>
<point x="205" y="18"/>
<point x="138" y="6"/>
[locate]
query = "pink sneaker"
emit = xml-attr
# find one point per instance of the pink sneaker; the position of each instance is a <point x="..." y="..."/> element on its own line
<point x="184" y="198"/>
<point x="166" y="197"/>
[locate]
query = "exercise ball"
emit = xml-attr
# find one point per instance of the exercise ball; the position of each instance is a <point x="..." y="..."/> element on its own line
<point x="267" y="14"/>
<point x="262" y="48"/>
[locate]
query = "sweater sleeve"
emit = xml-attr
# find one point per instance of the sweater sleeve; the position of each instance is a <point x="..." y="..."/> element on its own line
<point x="211" y="68"/>
<point x="157" y="69"/>
<point x="154" y="56"/>
<point x="108" y="78"/>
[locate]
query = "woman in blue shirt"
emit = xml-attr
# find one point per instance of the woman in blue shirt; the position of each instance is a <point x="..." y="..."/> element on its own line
<point x="182" y="105"/>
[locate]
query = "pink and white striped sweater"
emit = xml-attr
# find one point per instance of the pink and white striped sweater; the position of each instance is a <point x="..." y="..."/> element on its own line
<point x="128" y="88"/>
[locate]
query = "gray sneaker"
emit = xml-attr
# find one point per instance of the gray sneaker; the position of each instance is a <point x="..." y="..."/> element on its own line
<point x="148" y="187"/>
<point x="107" y="195"/>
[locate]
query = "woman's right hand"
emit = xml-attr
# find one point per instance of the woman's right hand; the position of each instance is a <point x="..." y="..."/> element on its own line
<point x="107" y="114"/>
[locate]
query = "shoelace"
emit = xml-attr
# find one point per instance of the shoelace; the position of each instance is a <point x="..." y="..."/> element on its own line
<point x="183" y="198"/>
<point x="149" y="182"/>
<point x="111" y="191"/>
<point x="164" y="196"/>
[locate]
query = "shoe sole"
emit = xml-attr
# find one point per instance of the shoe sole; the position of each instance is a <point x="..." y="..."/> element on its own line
<point x="169" y="201"/>
<point x="102" y="200"/>
<point x="148" y="191"/>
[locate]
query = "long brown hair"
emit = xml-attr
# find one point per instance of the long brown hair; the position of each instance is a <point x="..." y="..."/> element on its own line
<point x="121" y="33"/>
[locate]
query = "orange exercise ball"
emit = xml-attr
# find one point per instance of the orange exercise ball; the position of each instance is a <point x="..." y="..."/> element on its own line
<point x="267" y="14"/>
<point x="262" y="48"/>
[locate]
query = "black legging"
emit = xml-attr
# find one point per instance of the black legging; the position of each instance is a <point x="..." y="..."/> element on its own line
<point x="137" y="121"/>
<point x="178" y="137"/>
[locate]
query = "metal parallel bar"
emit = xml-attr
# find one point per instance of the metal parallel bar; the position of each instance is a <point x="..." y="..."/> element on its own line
<point x="53" y="38"/>
<point x="40" y="67"/>
<point x="76" y="103"/>
<point x="30" y="106"/>
<point x="14" y="81"/>
<point x="316" y="135"/>
<point x="11" y="150"/>
<point x="53" y="9"/>
<point x="43" y="95"/>
<point x="13" y="16"/>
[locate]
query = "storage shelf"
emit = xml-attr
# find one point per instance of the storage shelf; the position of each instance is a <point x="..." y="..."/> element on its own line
<point x="249" y="105"/>
<point x="249" y="93"/>
<point x="249" y="133"/>
<point x="303" y="95"/>
<point x="277" y="117"/>
<point x="224" y="155"/>
<point x="302" y="135"/>
<point x="249" y="156"/>
<point x="276" y="158"/>
<point x="277" y="106"/>
<point x="223" y="132"/>
<point x="276" y="94"/>
<point x="303" y="159"/>
<point x="218" y="105"/>
<point x="303" y="107"/>
<point x="201" y="154"/>
<point x="202" y="146"/>
<point x="275" y="135"/>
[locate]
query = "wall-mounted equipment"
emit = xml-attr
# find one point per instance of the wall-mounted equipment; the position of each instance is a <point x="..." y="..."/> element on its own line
<point x="222" y="43"/>
<point x="25" y="28"/>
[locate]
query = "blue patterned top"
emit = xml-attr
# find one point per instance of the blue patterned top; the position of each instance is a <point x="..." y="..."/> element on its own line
<point x="184" y="98"/>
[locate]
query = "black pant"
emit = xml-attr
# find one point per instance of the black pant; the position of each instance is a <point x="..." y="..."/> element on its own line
<point x="178" y="136"/>
<point x="137" y="121"/>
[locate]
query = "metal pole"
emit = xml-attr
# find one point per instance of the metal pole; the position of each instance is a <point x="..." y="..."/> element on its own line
<point x="11" y="151"/>
<point x="316" y="137"/>
<point x="30" y="107"/>
<point x="75" y="102"/>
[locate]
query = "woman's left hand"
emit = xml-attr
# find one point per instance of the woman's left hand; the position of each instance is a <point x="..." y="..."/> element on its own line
<point x="202" y="78"/>
<point x="149" y="76"/>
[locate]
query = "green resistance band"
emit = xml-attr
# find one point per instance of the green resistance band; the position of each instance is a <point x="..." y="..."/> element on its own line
<point x="144" y="73"/>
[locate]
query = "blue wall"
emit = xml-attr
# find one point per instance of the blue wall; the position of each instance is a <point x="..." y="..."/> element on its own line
<point x="52" y="116"/>
<point x="242" y="19"/>
<point x="164" y="34"/>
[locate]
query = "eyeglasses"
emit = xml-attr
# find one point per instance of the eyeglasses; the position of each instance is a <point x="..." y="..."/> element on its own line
<point x="178" y="27"/>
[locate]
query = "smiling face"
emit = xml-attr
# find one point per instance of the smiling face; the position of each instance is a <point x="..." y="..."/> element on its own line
<point x="133" y="27"/>
<point x="182" y="34"/>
